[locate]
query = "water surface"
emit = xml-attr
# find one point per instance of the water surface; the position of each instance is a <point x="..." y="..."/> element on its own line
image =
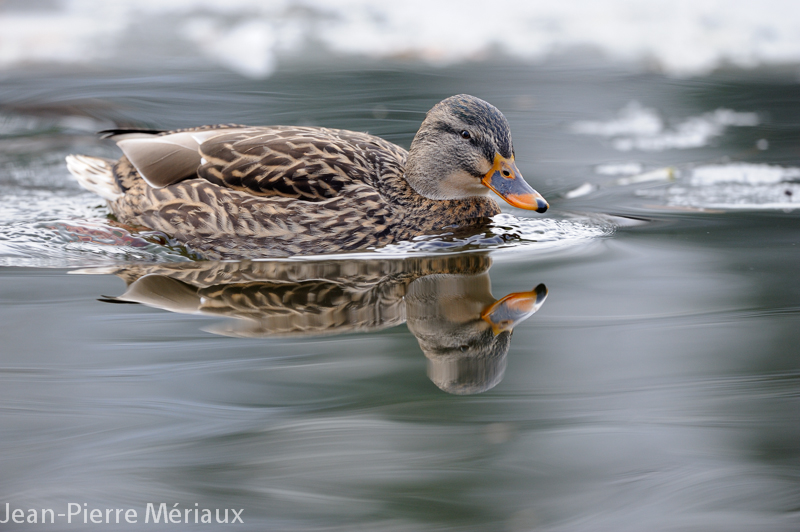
<point x="655" y="388"/>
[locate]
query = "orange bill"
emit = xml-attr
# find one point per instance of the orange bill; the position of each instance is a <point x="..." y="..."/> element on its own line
<point x="504" y="314"/>
<point x="504" y="178"/>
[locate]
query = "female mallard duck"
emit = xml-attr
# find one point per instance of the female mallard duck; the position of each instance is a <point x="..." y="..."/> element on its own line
<point x="446" y="301"/>
<point x="233" y="191"/>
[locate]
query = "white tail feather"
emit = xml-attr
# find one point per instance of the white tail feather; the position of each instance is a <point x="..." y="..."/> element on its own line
<point x="95" y="174"/>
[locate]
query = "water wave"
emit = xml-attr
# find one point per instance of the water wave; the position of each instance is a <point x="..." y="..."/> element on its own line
<point x="508" y="231"/>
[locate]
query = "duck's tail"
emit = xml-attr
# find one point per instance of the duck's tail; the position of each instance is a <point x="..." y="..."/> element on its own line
<point x="95" y="174"/>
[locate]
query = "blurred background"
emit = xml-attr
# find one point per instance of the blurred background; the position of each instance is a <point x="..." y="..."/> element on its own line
<point x="656" y="387"/>
<point x="254" y="38"/>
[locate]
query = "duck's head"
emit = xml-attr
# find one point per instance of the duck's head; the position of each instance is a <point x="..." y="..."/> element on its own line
<point x="463" y="148"/>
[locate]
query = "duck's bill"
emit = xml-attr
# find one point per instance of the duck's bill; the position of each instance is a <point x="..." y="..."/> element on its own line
<point x="505" y="179"/>
<point x="504" y="314"/>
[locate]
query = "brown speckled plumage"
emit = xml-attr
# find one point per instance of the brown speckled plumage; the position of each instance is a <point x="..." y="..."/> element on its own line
<point x="446" y="302"/>
<point x="284" y="190"/>
<point x="292" y="298"/>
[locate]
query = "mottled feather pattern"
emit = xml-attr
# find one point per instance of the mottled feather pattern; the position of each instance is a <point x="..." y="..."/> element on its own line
<point x="206" y="274"/>
<point x="312" y="164"/>
<point x="314" y="297"/>
<point x="329" y="191"/>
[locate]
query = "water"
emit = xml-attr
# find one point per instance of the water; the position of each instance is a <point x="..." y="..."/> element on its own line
<point x="655" y="388"/>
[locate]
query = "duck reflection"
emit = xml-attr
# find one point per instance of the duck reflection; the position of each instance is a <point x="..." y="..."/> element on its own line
<point x="447" y="303"/>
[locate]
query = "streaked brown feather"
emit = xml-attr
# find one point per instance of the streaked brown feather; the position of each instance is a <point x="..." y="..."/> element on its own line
<point x="254" y="198"/>
<point x="305" y="163"/>
<point x="292" y="298"/>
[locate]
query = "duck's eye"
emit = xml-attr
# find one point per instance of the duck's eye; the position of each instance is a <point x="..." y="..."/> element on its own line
<point x="465" y="135"/>
<point x="464" y="348"/>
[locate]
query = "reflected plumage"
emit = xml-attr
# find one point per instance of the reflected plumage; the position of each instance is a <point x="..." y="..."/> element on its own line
<point x="243" y="192"/>
<point x="446" y="302"/>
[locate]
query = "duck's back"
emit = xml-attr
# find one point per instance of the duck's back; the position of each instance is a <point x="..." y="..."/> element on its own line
<point x="310" y="164"/>
<point x="306" y="163"/>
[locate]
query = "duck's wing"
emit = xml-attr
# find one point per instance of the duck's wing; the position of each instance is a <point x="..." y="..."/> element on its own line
<point x="165" y="157"/>
<point x="311" y="164"/>
<point x="305" y="163"/>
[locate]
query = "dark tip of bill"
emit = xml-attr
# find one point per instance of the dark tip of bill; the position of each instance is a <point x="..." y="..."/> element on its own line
<point x="541" y="205"/>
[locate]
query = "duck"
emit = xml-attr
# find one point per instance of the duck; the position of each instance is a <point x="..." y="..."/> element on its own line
<point x="445" y="301"/>
<point x="243" y="192"/>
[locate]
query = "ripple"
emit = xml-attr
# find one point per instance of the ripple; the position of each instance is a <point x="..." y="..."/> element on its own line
<point x="61" y="229"/>
<point x="508" y="231"/>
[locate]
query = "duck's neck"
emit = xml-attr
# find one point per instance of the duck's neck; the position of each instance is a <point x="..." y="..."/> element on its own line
<point x="424" y="214"/>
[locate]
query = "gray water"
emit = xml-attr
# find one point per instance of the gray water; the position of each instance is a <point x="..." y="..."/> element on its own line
<point x="655" y="388"/>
